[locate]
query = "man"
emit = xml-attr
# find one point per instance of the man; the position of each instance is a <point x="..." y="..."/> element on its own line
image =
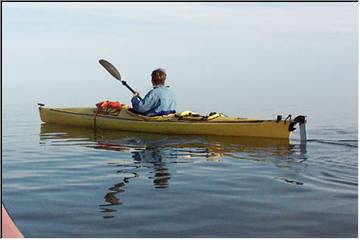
<point x="159" y="101"/>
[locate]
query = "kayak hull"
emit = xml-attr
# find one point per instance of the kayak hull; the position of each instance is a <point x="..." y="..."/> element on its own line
<point x="127" y="121"/>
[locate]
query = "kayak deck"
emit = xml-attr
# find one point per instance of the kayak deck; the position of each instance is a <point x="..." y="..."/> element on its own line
<point x="169" y="124"/>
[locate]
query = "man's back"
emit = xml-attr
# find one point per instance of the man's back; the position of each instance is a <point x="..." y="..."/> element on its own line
<point x="159" y="101"/>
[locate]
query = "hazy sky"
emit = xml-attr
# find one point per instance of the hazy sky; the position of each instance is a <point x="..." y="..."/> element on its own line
<point x="230" y="57"/>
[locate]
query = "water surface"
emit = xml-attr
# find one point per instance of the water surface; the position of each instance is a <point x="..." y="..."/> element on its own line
<point x="255" y="60"/>
<point x="70" y="182"/>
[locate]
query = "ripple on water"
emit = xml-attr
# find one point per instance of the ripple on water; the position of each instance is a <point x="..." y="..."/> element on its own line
<point x="142" y="185"/>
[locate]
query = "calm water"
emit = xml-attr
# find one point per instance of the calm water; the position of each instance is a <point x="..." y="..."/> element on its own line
<point x="67" y="182"/>
<point x="252" y="60"/>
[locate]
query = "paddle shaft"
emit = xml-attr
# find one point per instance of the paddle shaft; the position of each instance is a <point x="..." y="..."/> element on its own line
<point x="132" y="90"/>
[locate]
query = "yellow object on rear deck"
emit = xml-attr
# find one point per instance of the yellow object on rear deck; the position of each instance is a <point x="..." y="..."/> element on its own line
<point x="168" y="124"/>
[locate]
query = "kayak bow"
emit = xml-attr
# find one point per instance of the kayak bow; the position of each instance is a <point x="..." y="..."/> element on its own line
<point x="8" y="227"/>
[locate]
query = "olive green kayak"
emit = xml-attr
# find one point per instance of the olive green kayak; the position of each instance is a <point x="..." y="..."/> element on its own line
<point x="215" y="124"/>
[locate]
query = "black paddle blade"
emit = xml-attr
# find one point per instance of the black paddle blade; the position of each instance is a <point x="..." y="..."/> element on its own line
<point x="110" y="68"/>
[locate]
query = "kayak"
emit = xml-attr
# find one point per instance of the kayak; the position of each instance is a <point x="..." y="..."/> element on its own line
<point x="8" y="227"/>
<point x="179" y="123"/>
<point x="126" y="120"/>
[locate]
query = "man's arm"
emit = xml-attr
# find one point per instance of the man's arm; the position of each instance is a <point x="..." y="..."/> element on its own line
<point x="146" y="104"/>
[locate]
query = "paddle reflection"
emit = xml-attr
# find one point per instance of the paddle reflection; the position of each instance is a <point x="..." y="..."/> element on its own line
<point x="156" y="152"/>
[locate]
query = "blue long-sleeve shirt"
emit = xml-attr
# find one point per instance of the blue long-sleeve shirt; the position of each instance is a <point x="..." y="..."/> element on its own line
<point x="159" y="101"/>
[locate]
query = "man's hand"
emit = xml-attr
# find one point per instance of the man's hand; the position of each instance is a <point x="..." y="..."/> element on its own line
<point x="136" y="94"/>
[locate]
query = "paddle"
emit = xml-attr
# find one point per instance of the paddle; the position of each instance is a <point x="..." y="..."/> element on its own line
<point x="115" y="73"/>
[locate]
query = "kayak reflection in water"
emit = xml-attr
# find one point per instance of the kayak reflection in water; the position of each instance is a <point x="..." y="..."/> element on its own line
<point x="155" y="156"/>
<point x="158" y="101"/>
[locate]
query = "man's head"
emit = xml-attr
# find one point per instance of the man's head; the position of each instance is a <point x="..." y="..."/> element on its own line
<point x="158" y="76"/>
